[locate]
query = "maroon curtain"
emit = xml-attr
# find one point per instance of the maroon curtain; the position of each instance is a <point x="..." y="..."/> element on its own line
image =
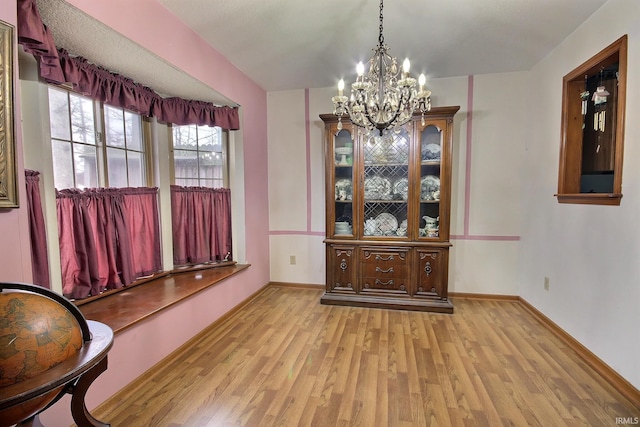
<point x="37" y="231"/>
<point x="108" y="238"/>
<point x="57" y="67"/>
<point x="201" y="222"/>
<point x="140" y="217"/>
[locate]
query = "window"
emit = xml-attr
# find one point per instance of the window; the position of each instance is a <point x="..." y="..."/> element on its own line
<point x="200" y="197"/>
<point x="593" y="113"/>
<point x="82" y="158"/>
<point x="199" y="156"/>
<point x="95" y="146"/>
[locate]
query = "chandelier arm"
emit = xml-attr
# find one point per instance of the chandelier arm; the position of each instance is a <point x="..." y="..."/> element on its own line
<point x="381" y="126"/>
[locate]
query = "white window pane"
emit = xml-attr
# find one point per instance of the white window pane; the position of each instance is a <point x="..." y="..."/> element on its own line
<point x="133" y="131"/>
<point x="211" y="165"/>
<point x="62" y="164"/>
<point x="114" y="126"/>
<point x="117" y="167"/>
<point x="206" y="138"/>
<point x="84" y="157"/>
<point x="185" y="163"/>
<point x="135" y="164"/>
<point x="186" y="182"/>
<point x="59" y="114"/>
<point x="82" y="120"/>
<point x="185" y="137"/>
<point x="212" y="183"/>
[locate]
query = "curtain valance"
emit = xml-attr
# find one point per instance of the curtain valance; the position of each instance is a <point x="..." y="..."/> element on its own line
<point x="58" y="67"/>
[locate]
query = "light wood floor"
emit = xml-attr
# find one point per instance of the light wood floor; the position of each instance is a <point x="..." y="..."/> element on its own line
<point x="285" y="360"/>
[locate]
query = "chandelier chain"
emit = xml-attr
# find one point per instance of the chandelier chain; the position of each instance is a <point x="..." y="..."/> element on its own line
<point x="381" y="36"/>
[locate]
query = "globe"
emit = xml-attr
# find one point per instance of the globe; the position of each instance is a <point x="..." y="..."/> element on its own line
<point x="36" y="333"/>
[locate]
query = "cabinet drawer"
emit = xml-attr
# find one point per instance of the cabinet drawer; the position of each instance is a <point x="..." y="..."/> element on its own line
<point x="384" y="270"/>
<point x="396" y="285"/>
<point x="385" y="257"/>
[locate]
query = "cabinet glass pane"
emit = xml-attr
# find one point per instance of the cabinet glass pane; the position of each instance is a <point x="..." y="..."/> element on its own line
<point x="430" y="156"/>
<point x="343" y="172"/>
<point x="386" y="184"/>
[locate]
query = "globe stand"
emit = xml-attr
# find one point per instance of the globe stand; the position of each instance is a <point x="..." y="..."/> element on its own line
<point x="22" y="401"/>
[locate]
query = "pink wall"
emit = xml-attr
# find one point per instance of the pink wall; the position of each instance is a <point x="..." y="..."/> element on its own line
<point x="15" y="258"/>
<point x="139" y="348"/>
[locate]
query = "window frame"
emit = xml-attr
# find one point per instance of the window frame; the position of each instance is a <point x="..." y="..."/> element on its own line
<point x="101" y="146"/>
<point x="570" y="169"/>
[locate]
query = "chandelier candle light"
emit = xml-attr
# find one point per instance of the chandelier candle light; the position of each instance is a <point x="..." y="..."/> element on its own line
<point x="382" y="98"/>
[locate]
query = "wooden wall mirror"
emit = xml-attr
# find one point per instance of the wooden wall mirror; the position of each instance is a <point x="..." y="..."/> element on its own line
<point x="593" y="112"/>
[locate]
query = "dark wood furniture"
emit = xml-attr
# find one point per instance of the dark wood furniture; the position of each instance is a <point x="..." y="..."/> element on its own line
<point x="387" y="214"/>
<point x="21" y="402"/>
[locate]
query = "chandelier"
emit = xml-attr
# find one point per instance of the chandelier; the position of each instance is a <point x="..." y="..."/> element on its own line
<point x="383" y="98"/>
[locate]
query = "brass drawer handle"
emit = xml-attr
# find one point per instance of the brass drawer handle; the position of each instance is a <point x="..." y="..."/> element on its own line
<point x="380" y="282"/>
<point x="388" y="270"/>
<point x="382" y="258"/>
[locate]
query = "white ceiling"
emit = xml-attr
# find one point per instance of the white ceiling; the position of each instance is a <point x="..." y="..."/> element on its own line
<point x="296" y="44"/>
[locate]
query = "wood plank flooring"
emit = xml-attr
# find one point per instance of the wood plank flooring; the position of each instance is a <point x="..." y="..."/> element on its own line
<point x="285" y="360"/>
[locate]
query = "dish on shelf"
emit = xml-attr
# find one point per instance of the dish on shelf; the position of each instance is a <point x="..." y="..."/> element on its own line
<point x="343" y="227"/>
<point x="343" y="152"/>
<point x="344" y="218"/>
<point x="401" y="189"/>
<point x="431" y="152"/>
<point x="377" y="187"/>
<point x="402" y="228"/>
<point x="344" y="189"/>
<point x="386" y="223"/>
<point x="430" y="187"/>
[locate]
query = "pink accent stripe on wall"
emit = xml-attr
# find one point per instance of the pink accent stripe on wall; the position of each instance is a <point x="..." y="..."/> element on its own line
<point x="467" y="178"/>
<point x="296" y="233"/>
<point x="307" y="134"/>
<point x="467" y="173"/>
<point x="307" y="130"/>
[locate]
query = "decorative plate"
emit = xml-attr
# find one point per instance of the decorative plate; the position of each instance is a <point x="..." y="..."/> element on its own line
<point x="431" y="152"/>
<point x="401" y="189"/>
<point x="344" y="189"/>
<point x="429" y="184"/>
<point x="386" y="223"/>
<point x="377" y="187"/>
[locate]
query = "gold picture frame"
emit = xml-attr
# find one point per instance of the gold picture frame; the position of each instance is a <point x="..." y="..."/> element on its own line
<point x="8" y="184"/>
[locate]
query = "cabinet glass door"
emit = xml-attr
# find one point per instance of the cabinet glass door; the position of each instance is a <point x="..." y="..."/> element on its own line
<point x="431" y="147"/>
<point x="386" y="185"/>
<point x="343" y="174"/>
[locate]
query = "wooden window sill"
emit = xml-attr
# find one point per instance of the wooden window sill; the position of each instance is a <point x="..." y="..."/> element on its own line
<point x="131" y="305"/>
<point x="610" y="199"/>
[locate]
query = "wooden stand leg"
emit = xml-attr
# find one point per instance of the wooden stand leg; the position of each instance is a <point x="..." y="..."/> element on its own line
<point x="81" y="415"/>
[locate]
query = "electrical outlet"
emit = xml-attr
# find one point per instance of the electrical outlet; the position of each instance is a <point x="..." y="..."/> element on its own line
<point x="292" y="260"/>
<point x="546" y="283"/>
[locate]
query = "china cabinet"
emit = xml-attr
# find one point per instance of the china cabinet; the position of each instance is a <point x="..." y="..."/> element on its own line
<point x="388" y="204"/>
